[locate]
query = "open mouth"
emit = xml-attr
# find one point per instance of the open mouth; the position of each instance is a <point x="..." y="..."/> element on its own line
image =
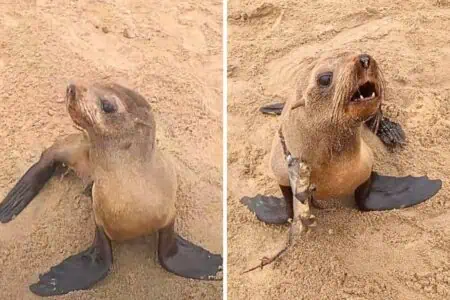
<point x="364" y="92"/>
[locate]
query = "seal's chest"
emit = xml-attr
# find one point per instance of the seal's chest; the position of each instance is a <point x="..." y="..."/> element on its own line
<point x="129" y="213"/>
<point x="340" y="177"/>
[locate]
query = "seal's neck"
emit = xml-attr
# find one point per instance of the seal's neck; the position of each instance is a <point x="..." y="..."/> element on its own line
<point x="319" y="140"/>
<point x="345" y="140"/>
<point x="125" y="152"/>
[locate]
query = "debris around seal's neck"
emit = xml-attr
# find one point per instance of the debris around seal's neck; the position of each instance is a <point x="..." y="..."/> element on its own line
<point x="299" y="174"/>
<point x="302" y="189"/>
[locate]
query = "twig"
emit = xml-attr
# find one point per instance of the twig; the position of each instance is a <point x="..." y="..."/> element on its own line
<point x="268" y="260"/>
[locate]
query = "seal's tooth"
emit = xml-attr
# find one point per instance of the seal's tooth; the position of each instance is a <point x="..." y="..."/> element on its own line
<point x="361" y="96"/>
<point x="373" y="94"/>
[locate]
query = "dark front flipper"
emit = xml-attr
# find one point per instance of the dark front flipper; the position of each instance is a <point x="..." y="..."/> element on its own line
<point x="77" y="272"/>
<point x="26" y="189"/>
<point x="272" y="109"/>
<point x="66" y="150"/>
<point x="387" y="192"/>
<point x="270" y="209"/>
<point x="185" y="259"/>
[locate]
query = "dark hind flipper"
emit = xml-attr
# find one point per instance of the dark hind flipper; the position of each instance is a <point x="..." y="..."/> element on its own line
<point x="181" y="257"/>
<point x="27" y="188"/>
<point x="389" y="132"/>
<point x="270" y="209"/>
<point x="387" y="192"/>
<point x="272" y="109"/>
<point x="77" y="272"/>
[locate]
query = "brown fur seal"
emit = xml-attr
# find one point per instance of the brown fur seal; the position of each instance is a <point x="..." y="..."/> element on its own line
<point x="323" y="126"/>
<point x="133" y="192"/>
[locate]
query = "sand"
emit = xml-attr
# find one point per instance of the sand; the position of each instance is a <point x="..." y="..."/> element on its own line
<point x="350" y="255"/>
<point x="170" y="52"/>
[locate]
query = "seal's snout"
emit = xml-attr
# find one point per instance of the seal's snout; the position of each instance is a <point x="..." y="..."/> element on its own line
<point x="364" y="59"/>
<point x="367" y="87"/>
<point x="71" y="91"/>
<point x="366" y="93"/>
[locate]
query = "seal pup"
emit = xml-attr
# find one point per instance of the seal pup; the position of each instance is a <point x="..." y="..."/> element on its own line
<point x="133" y="188"/>
<point x="322" y="125"/>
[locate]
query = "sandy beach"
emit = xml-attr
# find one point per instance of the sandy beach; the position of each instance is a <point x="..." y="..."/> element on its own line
<point x="402" y="254"/>
<point x="171" y="53"/>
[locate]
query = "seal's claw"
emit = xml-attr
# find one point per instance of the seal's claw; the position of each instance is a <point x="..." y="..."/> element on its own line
<point x="268" y="209"/>
<point x="388" y="192"/>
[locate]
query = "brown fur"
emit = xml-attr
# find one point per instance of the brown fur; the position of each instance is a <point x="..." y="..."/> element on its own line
<point x="135" y="185"/>
<point x="321" y="126"/>
<point x="72" y="151"/>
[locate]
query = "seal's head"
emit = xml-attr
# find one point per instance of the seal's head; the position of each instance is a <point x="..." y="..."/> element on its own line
<point x="348" y="87"/>
<point x="110" y="111"/>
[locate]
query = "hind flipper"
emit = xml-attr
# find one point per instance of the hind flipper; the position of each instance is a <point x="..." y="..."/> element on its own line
<point x="389" y="132"/>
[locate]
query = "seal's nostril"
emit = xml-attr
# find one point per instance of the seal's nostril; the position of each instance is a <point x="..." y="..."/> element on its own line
<point x="71" y="90"/>
<point x="364" y="59"/>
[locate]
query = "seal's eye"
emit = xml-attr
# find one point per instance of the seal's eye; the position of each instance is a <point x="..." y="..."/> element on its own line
<point x="107" y="106"/>
<point x="325" y="79"/>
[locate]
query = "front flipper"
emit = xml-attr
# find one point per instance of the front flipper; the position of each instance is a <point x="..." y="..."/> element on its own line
<point x="270" y="209"/>
<point x="272" y="109"/>
<point x="72" y="149"/>
<point x="26" y="188"/>
<point x="77" y="272"/>
<point x="388" y="192"/>
<point x="181" y="257"/>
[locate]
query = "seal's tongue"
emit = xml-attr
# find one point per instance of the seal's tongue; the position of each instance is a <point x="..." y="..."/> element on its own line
<point x="364" y="92"/>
